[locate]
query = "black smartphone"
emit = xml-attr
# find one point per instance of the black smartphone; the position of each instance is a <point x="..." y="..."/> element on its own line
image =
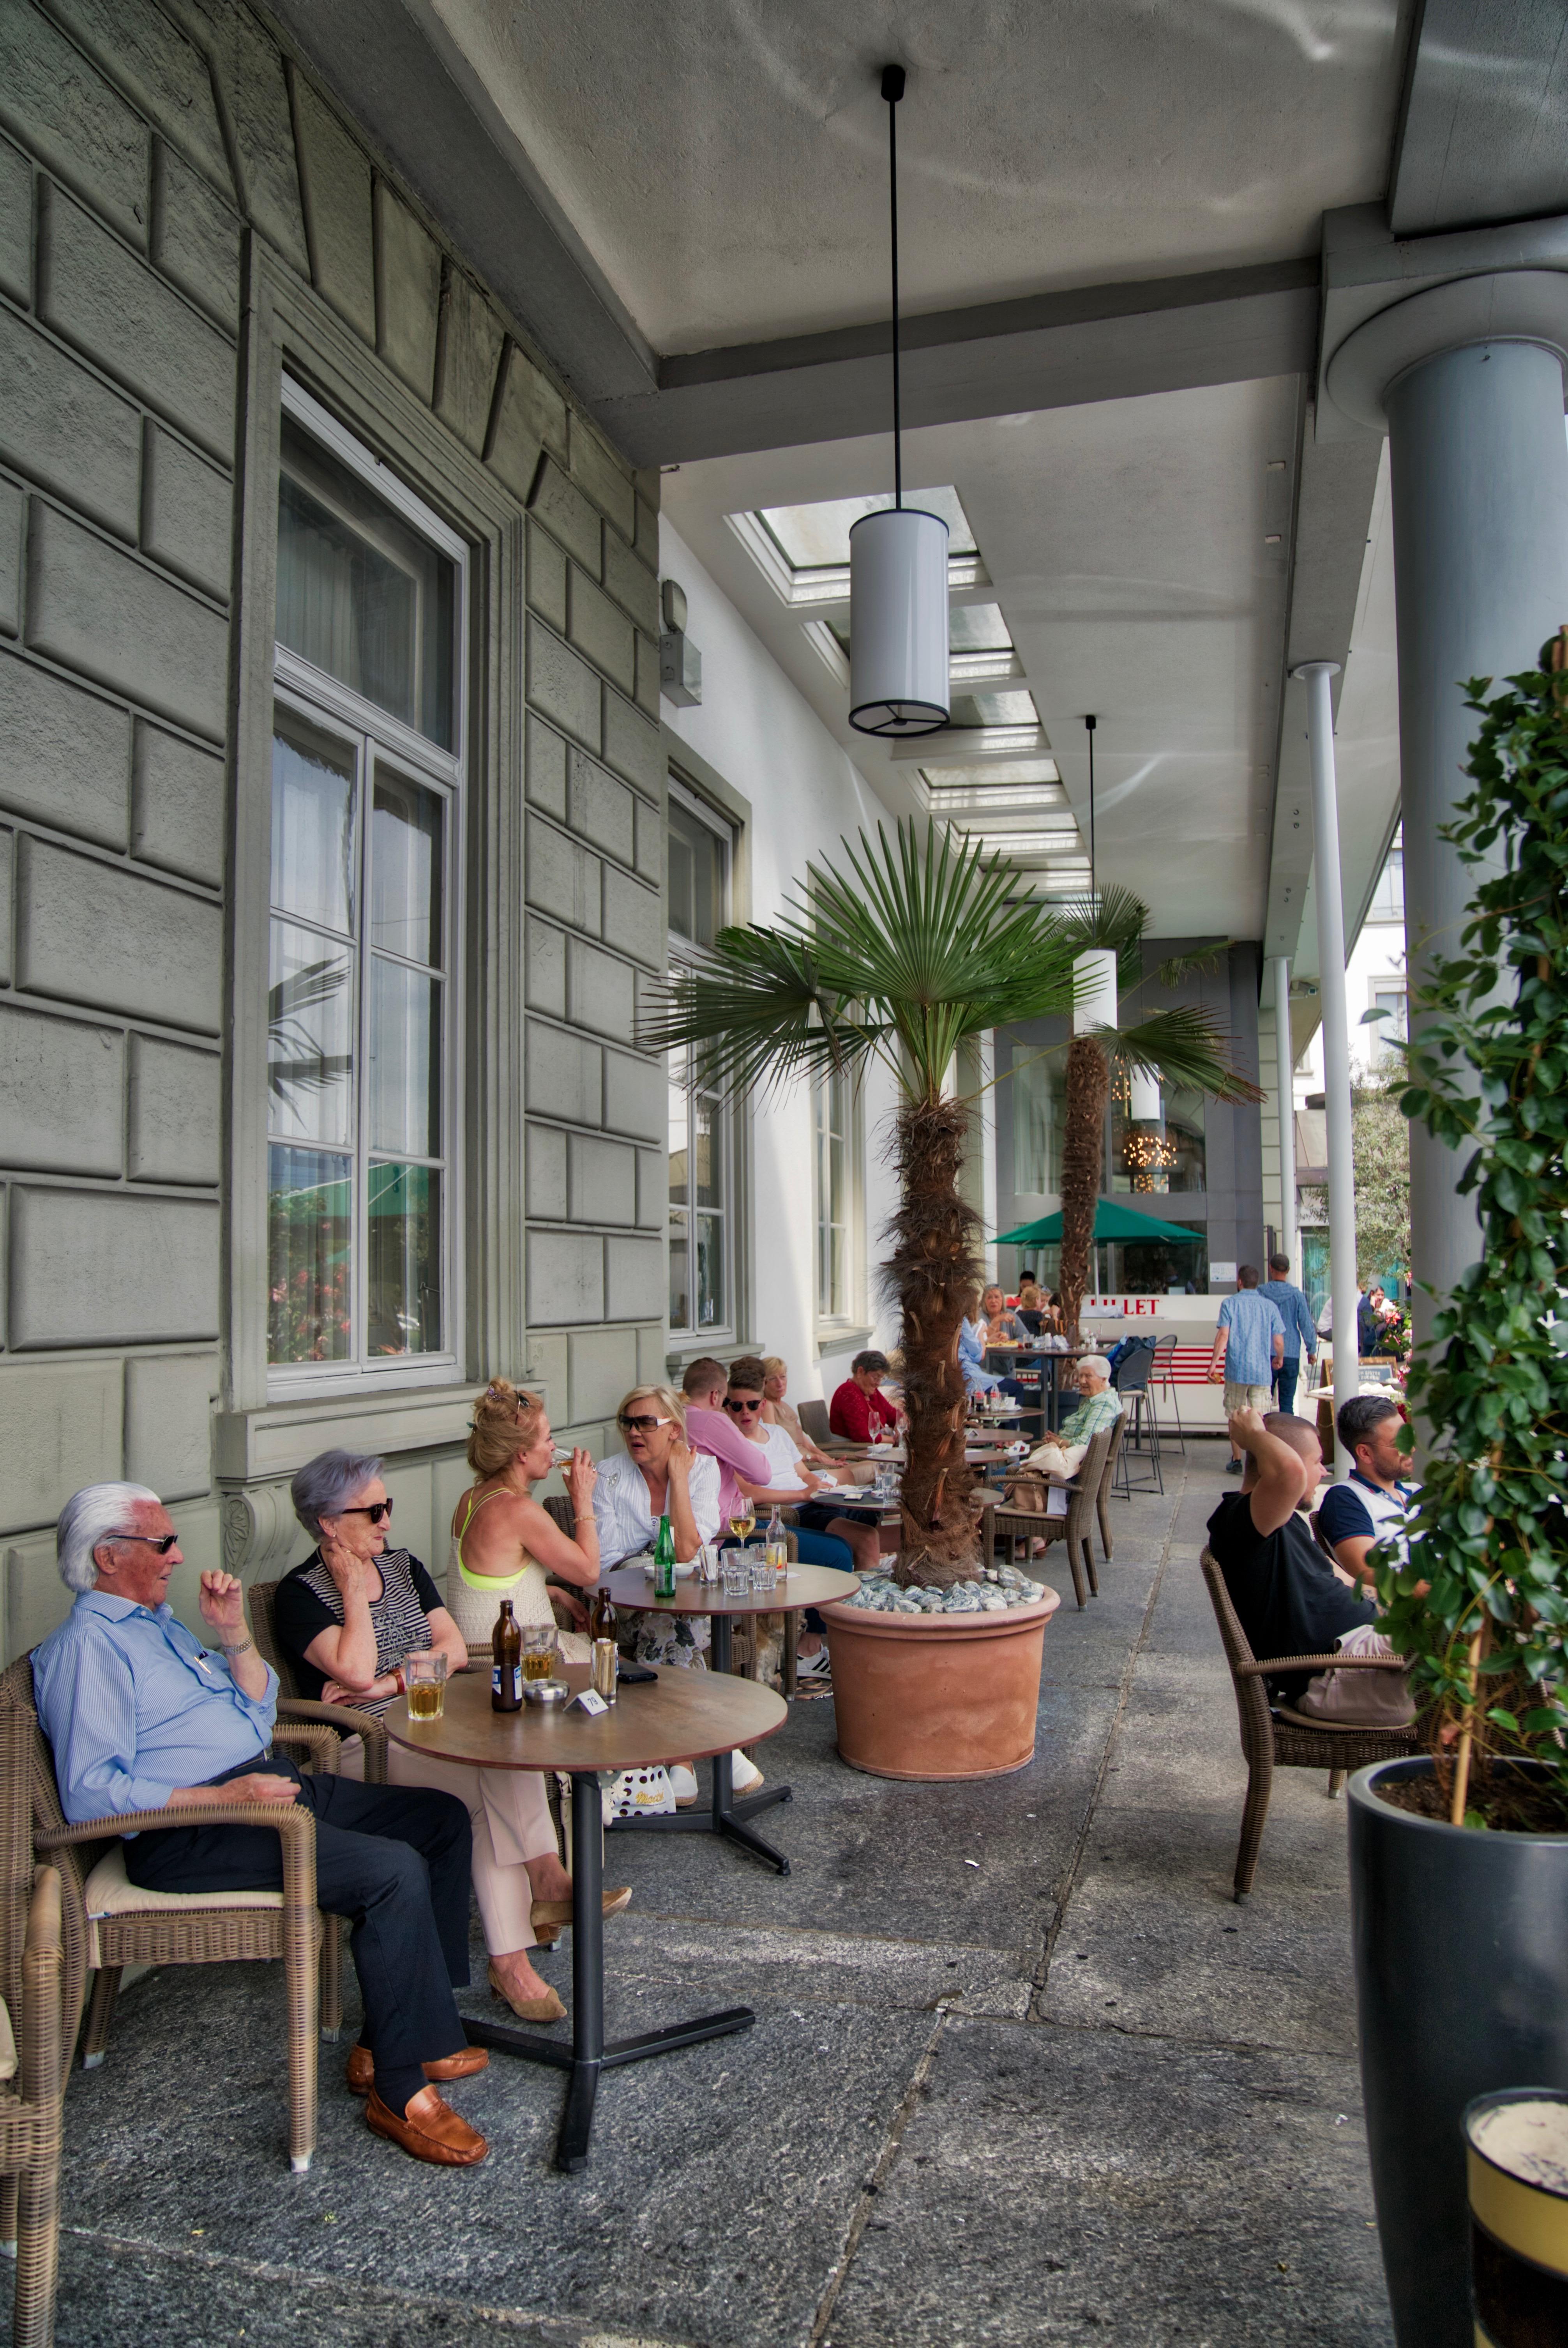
<point x="634" y="1674"/>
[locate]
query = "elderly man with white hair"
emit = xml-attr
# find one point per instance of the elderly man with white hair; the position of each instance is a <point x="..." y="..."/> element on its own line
<point x="141" y="1716"/>
<point x="1062" y="1453"/>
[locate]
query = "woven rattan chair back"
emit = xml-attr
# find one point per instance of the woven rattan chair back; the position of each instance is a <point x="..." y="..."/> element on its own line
<point x="1108" y="1483"/>
<point x="258" y="1597"/>
<point x="998" y="1522"/>
<point x="31" y="1974"/>
<point x="77" y="1861"/>
<point x="813" y="1419"/>
<point x="559" y="1506"/>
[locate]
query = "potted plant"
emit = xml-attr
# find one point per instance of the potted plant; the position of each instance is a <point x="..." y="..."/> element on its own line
<point x="918" y="944"/>
<point x="1459" y="1858"/>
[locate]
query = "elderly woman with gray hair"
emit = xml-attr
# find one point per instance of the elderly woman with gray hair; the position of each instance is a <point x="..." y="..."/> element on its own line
<point x="348" y="1617"/>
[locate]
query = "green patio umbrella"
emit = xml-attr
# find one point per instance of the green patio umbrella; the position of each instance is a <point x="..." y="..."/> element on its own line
<point x="1110" y="1222"/>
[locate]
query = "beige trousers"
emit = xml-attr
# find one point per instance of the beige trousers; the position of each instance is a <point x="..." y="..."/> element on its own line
<point x="511" y="1822"/>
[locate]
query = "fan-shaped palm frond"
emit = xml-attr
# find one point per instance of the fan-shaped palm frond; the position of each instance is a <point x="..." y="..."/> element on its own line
<point x="1186" y="1049"/>
<point x="295" y="1060"/>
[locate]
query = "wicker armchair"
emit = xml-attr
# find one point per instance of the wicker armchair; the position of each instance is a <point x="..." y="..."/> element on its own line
<point x="32" y="1980"/>
<point x="1276" y="1737"/>
<point x="340" y="1718"/>
<point x="1000" y="1523"/>
<point x="108" y="1923"/>
<point x="1108" y="1484"/>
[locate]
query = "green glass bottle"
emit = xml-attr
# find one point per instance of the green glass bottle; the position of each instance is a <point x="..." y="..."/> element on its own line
<point x="664" y="1561"/>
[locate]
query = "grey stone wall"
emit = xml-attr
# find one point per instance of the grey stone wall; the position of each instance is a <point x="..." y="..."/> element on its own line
<point x="140" y="147"/>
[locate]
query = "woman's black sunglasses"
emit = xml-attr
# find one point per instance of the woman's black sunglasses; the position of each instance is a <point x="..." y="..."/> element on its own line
<point x="376" y="1511"/>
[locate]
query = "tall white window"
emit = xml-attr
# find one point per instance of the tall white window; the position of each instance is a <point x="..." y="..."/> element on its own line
<point x="362" y="1007"/>
<point x="699" y="853"/>
<point x="833" y="1096"/>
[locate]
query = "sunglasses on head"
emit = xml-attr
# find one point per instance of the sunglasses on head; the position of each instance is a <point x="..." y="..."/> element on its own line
<point x="742" y="1402"/>
<point x="377" y="1511"/>
<point x="639" y="1424"/>
<point x="161" y="1542"/>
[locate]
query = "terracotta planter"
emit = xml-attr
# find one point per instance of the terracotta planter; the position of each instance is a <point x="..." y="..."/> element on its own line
<point x="937" y="1696"/>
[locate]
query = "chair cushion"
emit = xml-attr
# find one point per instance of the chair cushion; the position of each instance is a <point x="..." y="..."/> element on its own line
<point x="109" y="1891"/>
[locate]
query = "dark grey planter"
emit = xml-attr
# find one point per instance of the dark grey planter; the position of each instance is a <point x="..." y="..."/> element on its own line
<point x="1462" y="1983"/>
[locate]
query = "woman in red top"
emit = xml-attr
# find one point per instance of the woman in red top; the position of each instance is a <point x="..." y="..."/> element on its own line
<point x="859" y="1407"/>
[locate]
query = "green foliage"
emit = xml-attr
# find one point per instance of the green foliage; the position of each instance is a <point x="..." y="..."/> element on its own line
<point x="1488" y="1064"/>
<point x="1380" y="1151"/>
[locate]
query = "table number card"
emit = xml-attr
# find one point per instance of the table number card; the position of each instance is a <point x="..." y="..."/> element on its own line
<point x="589" y="1702"/>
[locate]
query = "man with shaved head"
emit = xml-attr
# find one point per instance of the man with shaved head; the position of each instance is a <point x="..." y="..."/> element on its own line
<point x="1287" y="1597"/>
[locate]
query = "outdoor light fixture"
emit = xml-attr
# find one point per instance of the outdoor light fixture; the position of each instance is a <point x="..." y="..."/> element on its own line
<point x="897" y="567"/>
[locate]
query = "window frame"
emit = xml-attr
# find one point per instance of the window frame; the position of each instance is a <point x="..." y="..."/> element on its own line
<point x="681" y="950"/>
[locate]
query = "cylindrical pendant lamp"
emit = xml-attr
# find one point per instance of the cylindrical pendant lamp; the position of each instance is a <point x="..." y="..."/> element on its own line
<point x="1094" y="989"/>
<point x="898" y="631"/>
<point x="1144" y="1098"/>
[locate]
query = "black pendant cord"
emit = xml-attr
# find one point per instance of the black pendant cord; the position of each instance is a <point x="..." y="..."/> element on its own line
<point x="893" y="90"/>
<point x="1089" y="724"/>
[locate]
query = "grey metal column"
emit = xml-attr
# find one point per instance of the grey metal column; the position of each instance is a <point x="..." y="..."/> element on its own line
<point x="1326" y="886"/>
<point x="1284" y="1089"/>
<point x="1480" y="476"/>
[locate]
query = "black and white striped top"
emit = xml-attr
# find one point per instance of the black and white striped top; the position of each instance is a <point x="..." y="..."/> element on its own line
<point x="307" y="1602"/>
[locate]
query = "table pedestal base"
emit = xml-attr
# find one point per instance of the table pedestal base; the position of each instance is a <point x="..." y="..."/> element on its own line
<point x="725" y="1816"/>
<point x="588" y="2055"/>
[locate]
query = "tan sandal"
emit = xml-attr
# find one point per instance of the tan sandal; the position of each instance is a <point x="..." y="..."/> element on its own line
<point x="548" y="2008"/>
<point x="550" y="1915"/>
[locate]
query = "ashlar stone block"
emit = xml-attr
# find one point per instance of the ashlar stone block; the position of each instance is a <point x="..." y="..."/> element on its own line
<point x="646" y="691"/>
<point x="137" y="47"/>
<point x="63" y="109"/>
<point x="602" y="1367"/>
<point x="13" y="514"/>
<point x="187" y="511"/>
<point x="567" y="514"/>
<point x="647" y="539"/>
<point x="15" y="224"/>
<point x="547" y="578"/>
<point x="529" y="416"/>
<point x="599" y="808"/>
<point x="408" y="290"/>
<point x="249" y="70"/>
<point x="652" y="1366"/>
<point x="61" y="1426"/>
<point x="168" y="1401"/>
<point x="64" y="755"/>
<point x="562" y="685"/>
<point x="632" y="584"/>
<point x="633" y="748"/>
<point x="598" y="990"/>
<point x="633" y="1279"/>
<point x="176" y="1113"/>
<point x="66" y="429"/>
<point x="597" y="470"/>
<point x="111" y="618"/>
<point x="101" y="1268"/>
<point x="195" y="237"/>
<point x="601" y="1185"/>
<point x="62" y="1093"/>
<point x="545" y="970"/>
<point x="601" y="630"/>
<point x="563" y="1074"/>
<point x="89" y="933"/>
<point x="7" y="899"/>
<point x="560" y="878"/>
<point x="649" y="842"/>
<point x="121" y="314"/>
<point x="334" y="181"/>
<point x="177" y="805"/>
<point x="37" y="1599"/>
<point x="467" y="358"/>
<point x="635" y="1097"/>
<point x="545" y="1173"/>
<point x="565" y="1278"/>
<point x="653" y="1188"/>
<point x="634" y="917"/>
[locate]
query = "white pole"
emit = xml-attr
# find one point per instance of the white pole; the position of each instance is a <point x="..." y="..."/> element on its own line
<point x="1336" y="1036"/>
<point x="1284" y="1089"/>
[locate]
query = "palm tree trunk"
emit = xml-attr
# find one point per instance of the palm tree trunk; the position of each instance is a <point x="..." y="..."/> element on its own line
<point x="930" y="1273"/>
<point x="1082" y="1164"/>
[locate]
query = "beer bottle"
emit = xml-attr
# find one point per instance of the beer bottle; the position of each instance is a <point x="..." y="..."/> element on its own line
<point x="506" y="1662"/>
<point x="664" y="1561"/>
<point x="602" y="1615"/>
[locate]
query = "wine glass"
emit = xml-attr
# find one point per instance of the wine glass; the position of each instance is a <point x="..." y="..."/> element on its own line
<point x="744" y="1517"/>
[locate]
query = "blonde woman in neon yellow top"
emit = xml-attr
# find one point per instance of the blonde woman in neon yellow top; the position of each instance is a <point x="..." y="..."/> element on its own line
<point x="504" y="1541"/>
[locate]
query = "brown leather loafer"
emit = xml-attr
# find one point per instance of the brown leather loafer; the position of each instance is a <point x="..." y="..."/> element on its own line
<point x="429" y="2131"/>
<point x="555" y="1913"/>
<point x="360" y="2073"/>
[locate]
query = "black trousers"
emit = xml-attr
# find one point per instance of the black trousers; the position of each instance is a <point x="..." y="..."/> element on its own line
<point x="394" y="1859"/>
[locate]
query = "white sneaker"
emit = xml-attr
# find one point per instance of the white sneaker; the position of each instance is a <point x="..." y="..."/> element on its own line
<point x="745" y="1775"/>
<point x="684" y="1782"/>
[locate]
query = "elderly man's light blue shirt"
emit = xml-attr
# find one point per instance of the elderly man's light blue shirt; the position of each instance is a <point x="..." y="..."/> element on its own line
<point x="1300" y="1329"/>
<point x="133" y="1707"/>
<point x="1254" y="1323"/>
<point x="971" y="1355"/>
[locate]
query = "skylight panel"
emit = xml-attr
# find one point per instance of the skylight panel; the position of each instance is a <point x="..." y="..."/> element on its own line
<point x="978" y="628"/>
<point x="816" y="537"/>
<point x="1006" y="708"/>
<point x="994" y="774"/>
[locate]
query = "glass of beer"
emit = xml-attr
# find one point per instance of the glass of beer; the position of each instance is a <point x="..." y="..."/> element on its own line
<point x="424" y="1675"/>
<point x="539" y="1650"/>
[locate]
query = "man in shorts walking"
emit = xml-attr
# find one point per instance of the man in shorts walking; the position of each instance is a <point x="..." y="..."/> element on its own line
<point x="1249" y="1346"/>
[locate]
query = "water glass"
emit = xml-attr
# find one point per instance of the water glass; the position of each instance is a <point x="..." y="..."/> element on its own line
<point x="736" y="1573"/>
<point x="778" y="1561"/>
<point x="424" y="1678"/>
<point x="706" y="1566"/>
<point x="760" y="1569"/>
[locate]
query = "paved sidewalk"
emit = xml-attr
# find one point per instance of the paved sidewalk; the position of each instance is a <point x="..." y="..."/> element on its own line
<point x="1021" y="2072"/>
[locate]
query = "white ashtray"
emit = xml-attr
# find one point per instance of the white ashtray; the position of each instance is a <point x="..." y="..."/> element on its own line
<point x="683" y="1572"/>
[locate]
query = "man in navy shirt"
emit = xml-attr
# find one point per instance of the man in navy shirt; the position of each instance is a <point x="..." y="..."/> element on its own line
<point x="1355" y="1513"/>
<point x="1299" y="1328"/>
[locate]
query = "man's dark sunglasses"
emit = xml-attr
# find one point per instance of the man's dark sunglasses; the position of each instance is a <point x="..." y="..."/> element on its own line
<point x="376" y="1511"/>
<point x="161" y="1542"/>
<point x="737" y="1402"/>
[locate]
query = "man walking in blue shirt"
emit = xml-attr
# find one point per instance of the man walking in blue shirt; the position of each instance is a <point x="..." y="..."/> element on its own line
<point x="1249" y="1346"/>
<point x="1299" y="1328"/>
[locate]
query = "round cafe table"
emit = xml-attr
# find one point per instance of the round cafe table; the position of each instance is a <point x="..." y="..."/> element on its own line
<point x="678" y="1715"/>
<point x="805" y="1585"/>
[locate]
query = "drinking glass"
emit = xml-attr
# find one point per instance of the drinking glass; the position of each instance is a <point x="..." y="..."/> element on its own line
<point x="778" y="1559"/>
<point x="424" y="1677"/>
<point x="760" y="1567"/>
<point x="706" y="1568"/>
<point x="539" y="1650"/>
<point x="735" y="1572"/>
<point x="606" y="1665"/>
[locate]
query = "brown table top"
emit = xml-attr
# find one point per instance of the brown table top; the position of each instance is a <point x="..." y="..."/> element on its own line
<point x="807" y="1585"/>
<point x="684" y="1715"/>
